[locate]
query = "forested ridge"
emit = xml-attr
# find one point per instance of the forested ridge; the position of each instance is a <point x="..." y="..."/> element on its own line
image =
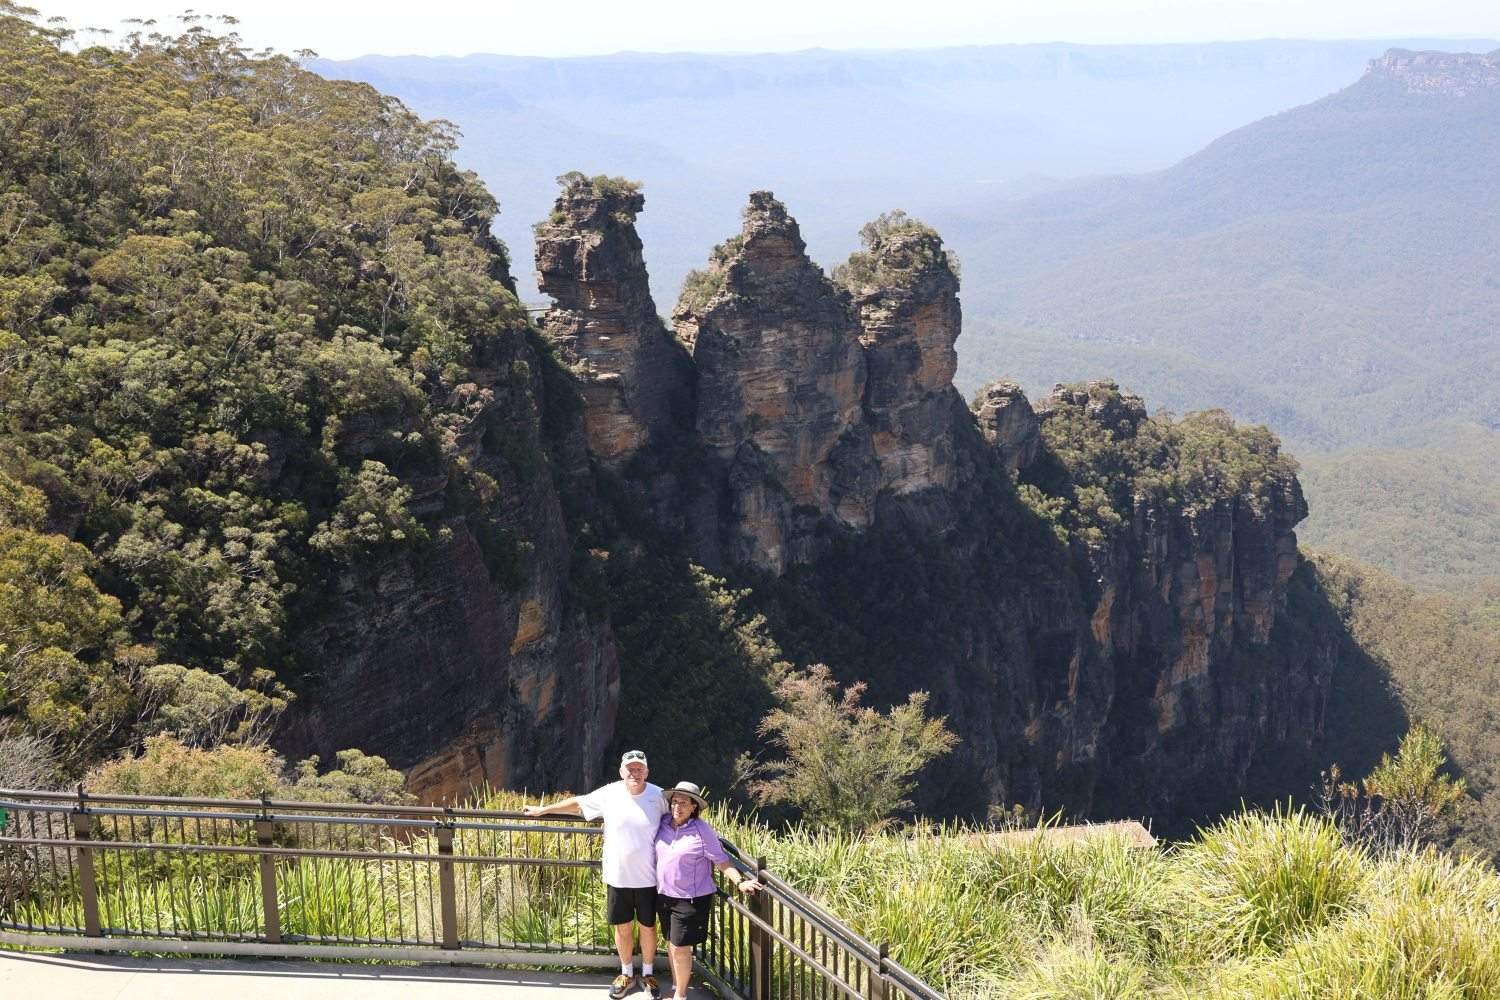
<point x="238" y="308"/>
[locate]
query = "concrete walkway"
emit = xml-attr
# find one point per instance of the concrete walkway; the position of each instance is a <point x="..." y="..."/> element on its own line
<point x="28" y="976"/>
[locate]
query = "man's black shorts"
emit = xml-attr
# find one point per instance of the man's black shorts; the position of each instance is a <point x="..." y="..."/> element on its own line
<point x="686" y="919"/>
<point x="625" y="905"/>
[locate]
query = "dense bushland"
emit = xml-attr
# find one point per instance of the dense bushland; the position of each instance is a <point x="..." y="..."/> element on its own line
<point x="1439" y="654"/>
<point x="238" y="309"/>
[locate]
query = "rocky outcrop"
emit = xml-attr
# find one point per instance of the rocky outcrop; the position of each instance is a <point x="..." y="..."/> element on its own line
<point x="1451" y="74"/>
<point x="781" y="382"/>
<point x="631" y="372"/>
<point x="1094" y="648"/>
<point x="469" y="663"/>
<point x="906" y="297"/>
<point x="1009" y="424"/>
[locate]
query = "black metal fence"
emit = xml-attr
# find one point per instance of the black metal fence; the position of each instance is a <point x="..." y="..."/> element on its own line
<point x="213" y="876"/>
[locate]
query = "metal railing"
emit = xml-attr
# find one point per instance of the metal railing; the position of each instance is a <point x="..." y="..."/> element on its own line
<point x="230" y="877"/>
<point x="780" y="945"/>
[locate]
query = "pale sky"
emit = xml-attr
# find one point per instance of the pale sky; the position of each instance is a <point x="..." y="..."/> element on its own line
<point x="341" y="30"/>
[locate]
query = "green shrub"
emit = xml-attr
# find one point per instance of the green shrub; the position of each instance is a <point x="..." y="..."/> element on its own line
<point x="1257" y="881"/>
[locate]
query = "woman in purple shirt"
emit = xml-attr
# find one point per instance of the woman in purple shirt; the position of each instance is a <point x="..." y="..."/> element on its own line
<point x="687" y="852"/>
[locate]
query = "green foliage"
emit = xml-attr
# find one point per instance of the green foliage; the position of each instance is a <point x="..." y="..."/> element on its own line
<point x="1404" y="803"/>
<point x="58" y="635"/>
<point x="1261" y="905"/>
<point x="844" y="765"/>
<point x="1110" y="458"/>
<point x="1439" y="654"/>
<point x="1426" y="509"/>
<point x="897" y="249"/>
<point x="696" y="666"/>
<point x="239" y="305"/>
<point x="204" y="710"/>
<point x="21" y="506"/>
<point x="168" y="767"/>
<point x="1426" y="929"/>
<point x="700" y="288"/>
<point x="358" y="778"/>
<point x="372" y="513"/>
<point x="1259" y="881"/>
<point x="575" y="182"/>
<point x="619" y="194"/>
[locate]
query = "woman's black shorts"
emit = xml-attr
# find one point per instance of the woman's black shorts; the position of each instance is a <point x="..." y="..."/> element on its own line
<point x="625" y="905"/>
<point x="686" y="919"/>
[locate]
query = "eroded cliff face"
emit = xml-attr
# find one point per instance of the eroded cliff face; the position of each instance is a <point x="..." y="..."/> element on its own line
<point x="781" y="381"/>
<point x="906" y="297"/>
<point x="629" y="368"/>
<point x="1093" y="650"/>
<point x="1007" y="421"/>
<point x="818" y="397"/>
<point x="1456" y="75"/>
<point x="1188" y="614"/>
<point x="471" y="664"/>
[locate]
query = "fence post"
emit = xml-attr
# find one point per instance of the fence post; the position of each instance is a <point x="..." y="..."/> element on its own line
<point x="761" y="941"/>
<point x="88" y="887"/>
<point x="265" y="836"/>
<point x="877" y="980"/>
<point x="446" y="887"/>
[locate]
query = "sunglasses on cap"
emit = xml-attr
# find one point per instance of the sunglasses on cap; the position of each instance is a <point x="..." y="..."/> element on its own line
<point x="633" y="757"/>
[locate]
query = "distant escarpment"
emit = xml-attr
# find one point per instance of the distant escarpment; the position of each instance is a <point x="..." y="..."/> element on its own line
<point x="1454" y="74"/>
<point x="1096" y="598"/>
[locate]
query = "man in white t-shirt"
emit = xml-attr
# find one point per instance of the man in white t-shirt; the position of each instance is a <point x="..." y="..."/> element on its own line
<point x="632" y="809"/>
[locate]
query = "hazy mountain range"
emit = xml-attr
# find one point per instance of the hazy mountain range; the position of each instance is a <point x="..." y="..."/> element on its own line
<point x="843" y="136"/>
<point x="1332" y="271"/>
<point x="1313" y="243"/>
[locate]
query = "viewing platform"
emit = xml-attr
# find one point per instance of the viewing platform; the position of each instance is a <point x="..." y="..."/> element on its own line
<point x="367" y="901"/>
<point x="122" y="978"/>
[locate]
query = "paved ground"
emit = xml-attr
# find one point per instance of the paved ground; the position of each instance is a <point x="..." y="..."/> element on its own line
<point x="52" y="977"/>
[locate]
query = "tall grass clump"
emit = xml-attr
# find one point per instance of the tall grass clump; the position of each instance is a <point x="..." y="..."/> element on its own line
<point x="1073" y="972"/>
<point x="1428" y="929"/>
<point x="966" y="911"/>
<point x="1258" y="880"/>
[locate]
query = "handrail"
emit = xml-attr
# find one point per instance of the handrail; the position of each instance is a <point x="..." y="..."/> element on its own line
<point x="359" y="808"/>
<point x="273" y="877"/>
<point x="871" y="955"/>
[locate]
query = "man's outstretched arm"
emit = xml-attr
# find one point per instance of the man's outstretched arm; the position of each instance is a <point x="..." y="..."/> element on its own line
<point x="568" y="805"/>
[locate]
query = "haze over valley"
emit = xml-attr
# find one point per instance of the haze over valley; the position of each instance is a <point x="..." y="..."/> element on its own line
<point x="1284" y="235"/>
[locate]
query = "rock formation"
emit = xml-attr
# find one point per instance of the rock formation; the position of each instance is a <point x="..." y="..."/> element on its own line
<point x="472" y="665"/>
<point x="906" y="296"/>
<point x="1453" y="74"/>
<point x="781" y="381"/>
<point x="604" y="320"/>
<point x="1092" y="648"/>
<point x="1008" y="423"/>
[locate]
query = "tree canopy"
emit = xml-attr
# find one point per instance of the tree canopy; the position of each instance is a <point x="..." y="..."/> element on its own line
<point x="239" y="308"/>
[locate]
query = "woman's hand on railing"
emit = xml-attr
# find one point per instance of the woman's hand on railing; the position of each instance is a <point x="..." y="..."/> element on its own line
<point x="749" y="886"/>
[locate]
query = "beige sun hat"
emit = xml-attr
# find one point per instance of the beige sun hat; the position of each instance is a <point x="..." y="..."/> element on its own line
<point x="692" y="791"/>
